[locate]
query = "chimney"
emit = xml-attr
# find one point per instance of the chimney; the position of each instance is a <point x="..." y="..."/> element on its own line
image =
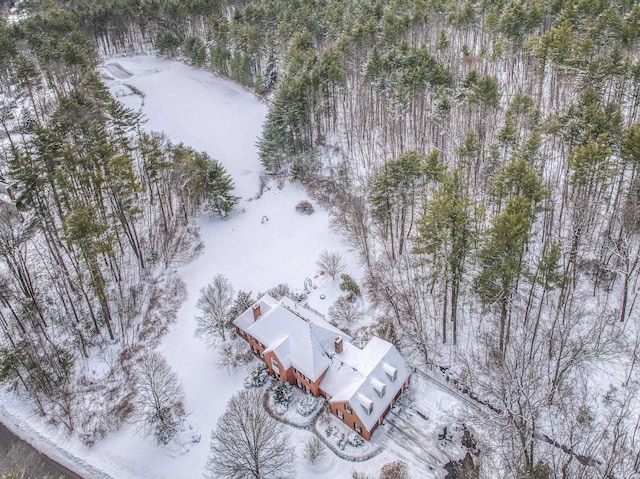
<point x="256" y="311"/>
<point x="337" y="343"/>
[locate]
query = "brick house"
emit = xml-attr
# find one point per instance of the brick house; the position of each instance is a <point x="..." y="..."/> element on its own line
<point x="300" y="347"/>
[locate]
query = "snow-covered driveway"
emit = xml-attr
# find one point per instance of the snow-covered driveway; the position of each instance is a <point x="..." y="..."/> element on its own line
<point x="411" y="429"/>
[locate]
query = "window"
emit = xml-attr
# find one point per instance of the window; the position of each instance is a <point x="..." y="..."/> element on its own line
<point x="357" y="427"/>
<point x="274" y="364"/>
<point x="339" y="414"/>
<point x="348" y="409"/>
<point x="392" y="373"/>
<point x="379" y="387"/>
<point x="366" y="403"/>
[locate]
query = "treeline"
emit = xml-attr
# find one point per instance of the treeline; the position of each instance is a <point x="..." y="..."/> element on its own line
<point x="94" y="216"/>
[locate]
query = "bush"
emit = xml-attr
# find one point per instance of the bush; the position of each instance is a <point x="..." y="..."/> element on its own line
<point x="257" y="378"/>
<point x="306" y="405"/>
<point x="351" y="439"/>
<point x="304" y="207"/>
<point x="282" y="394"/>
<point x="355" y="440"/>
<point x="349" y="285"/>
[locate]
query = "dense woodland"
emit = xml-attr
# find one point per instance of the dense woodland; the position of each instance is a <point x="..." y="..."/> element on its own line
<point x="482" y="157"/>
<point x="94" y="217"/>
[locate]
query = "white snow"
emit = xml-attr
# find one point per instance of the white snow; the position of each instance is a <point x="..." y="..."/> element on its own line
<point x="211" y="114"/>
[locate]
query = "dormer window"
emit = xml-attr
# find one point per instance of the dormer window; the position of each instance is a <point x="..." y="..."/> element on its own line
<point x="366" y="403"/>
<point x="390" y="371"/>
<point x="379" y="387"/>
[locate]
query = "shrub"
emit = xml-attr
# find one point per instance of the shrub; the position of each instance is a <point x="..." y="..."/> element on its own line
<point x="349" y="285"/>
<point x="355" y="440"/>
<point x="304" y="207"/>
<point x="256" y="378"/>
<point x="282" y="393"/>
<point x="306" y="405"/>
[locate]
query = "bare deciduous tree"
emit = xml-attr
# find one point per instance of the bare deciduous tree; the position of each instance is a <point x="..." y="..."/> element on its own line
<point x="214" y="303"/>
<point x="314" y="450"/>
<point x="344" y="311"/>
<point x="394" y="470"/>
<point x="248" y="443"/>
<point x="160" y="399"/>
<point x="331" y="263"/>
<point x="234" y="353"/>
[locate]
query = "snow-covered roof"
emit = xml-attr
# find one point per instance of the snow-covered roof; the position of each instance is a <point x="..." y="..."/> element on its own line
<point x="299" y="337"/>
<point x="368" y="379"/>
<point x="266" y="303"/>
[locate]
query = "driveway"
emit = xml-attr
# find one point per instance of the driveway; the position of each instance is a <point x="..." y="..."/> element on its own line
<point x="411" y="431"/>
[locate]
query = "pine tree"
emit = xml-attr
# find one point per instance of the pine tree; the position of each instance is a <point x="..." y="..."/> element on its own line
<point x="445" y="233"/>
<point x="218" y="188"/>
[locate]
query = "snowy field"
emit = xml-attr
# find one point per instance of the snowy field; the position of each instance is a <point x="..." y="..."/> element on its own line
<point x="208" y="113"/>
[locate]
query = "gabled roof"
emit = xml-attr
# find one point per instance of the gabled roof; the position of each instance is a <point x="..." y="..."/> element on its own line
<point x="298" y="336"/>
<point x="368" y="379"/>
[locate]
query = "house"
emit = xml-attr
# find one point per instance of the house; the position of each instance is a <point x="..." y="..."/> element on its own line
<point x="300" y="347"/>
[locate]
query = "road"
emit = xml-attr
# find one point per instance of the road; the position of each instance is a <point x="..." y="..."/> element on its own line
<point x="17" y="455"/>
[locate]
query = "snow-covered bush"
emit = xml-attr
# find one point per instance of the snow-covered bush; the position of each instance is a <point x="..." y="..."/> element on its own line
<point x="257" y="378"/>
<point x="350" y="439"/>
<point x="298" y="295"/>
<point x="306" y="405"/>
<point x="282" y="396"/>
<point x="355" y="440"/>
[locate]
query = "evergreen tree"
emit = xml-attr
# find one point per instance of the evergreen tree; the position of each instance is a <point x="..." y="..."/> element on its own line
<point x="218" y="188"/>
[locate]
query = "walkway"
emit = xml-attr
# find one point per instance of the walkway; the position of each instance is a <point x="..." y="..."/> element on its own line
<point x="311" y="427"/>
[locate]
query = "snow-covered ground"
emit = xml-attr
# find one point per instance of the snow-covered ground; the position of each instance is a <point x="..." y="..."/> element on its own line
<point x="264" y="243"/>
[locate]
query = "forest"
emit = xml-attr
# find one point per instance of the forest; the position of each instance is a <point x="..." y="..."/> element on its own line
<point x="481" y="157"/>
